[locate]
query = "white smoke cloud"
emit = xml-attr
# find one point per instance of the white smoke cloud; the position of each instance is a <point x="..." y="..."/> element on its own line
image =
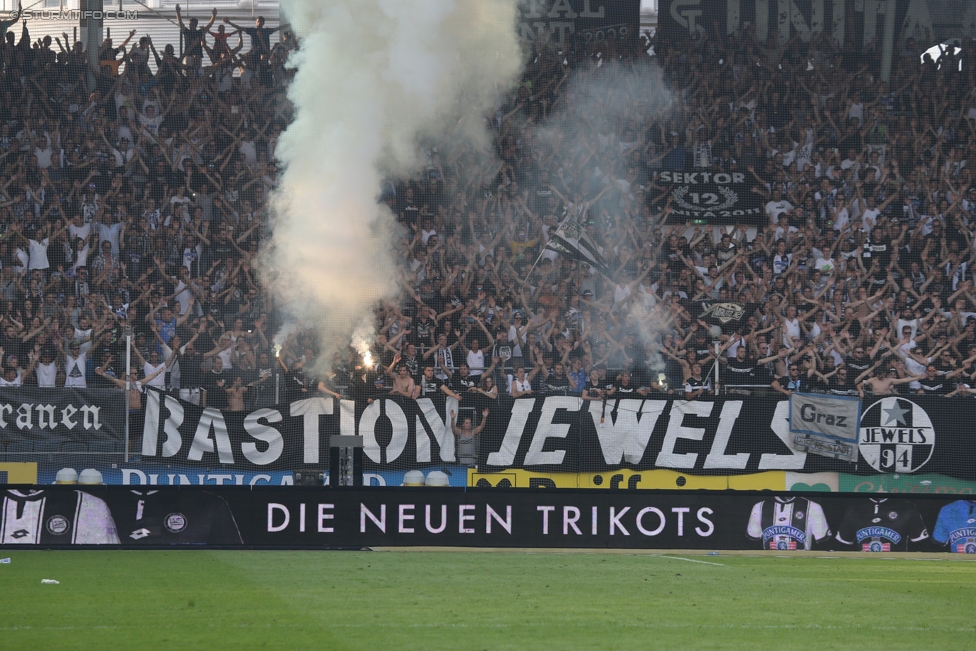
<point x="373" y="77"/>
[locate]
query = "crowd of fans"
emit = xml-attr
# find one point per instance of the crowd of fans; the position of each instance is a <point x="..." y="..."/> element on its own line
<point x="139" y="209"/>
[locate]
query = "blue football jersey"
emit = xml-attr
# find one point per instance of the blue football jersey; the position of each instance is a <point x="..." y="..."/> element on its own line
<point x="956" y="527"/>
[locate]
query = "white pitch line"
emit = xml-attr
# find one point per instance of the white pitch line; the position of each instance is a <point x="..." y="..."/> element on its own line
<point x="692" y="560"/>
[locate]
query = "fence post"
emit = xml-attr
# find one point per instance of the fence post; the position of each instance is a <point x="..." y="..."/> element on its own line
<point x="128" y="388"/>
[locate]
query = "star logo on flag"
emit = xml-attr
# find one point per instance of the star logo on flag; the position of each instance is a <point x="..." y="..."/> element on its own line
<point x="894" y="415"/>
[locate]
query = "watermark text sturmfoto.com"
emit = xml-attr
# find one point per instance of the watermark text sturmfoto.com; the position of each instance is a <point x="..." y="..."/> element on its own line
<point x="69" y="14"/>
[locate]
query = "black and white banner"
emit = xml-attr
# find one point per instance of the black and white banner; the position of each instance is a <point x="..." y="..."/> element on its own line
<point x="266" y="517"/>
<point x="396" y="432"/>
<point x="569" y="21"/>
<point x="825" y="424"/>
<point x="851" y="25"/>
<point x="712" y="436"/>
<point x="723" y="436"/>
<point x="32" y="418"/>
<point x="711" y="196"/>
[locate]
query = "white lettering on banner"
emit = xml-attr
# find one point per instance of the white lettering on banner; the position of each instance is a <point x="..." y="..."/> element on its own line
<point x="625" y="438"/>
<point x="135" y="477"/>
<point x="640" y="521"/>
<point x="24" y="414"/>
<point x="692" y="178"/>
<point x="571" y="516"/>
<point x="171" y="427"/>
<point x="546" y="510"/>
<point x="780" y="425"/>
<point x="365" y="512"/>
<point x="716" y="456"/>
<point x="464" y="517"/>
<point x="443" y="524"/>
<point x="667" y="458"/>
<point x="687" y="17"/>
<point x="404" y="516"/>
<point x="266" y="433"/>
<point x="150" y="430"/>
<point x="323" y="516"/>
<point x="505" y="455"/>
<point x="7" y="409"/>
<point x="367" y="429"/>
<point x="347" y="417"/>
<point x="274" y="507"/>
<point x="311" y="409"/>
<point x="547" y="429"/>
<point x="429" y="422"/>
<point x="680" y="511"/>
<point x="704" y="533"/>
<point x="615" y="521"/>
<point x="491" y="514"/>
<point x="43" y="410"/>
<point x="301" y="517"/>
<point x="211" y="419"/>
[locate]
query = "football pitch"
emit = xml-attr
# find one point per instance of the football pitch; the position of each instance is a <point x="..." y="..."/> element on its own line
<point x="480" y="600"/>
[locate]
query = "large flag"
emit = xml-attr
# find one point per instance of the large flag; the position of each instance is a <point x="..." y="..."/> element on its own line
<point x="572" y="241"/>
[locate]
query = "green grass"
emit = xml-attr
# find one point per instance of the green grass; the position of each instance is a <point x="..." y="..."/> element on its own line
<point x="398" y="601"/>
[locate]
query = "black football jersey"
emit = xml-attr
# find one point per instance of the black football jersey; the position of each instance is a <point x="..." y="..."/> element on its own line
<point x="153" y="517"/>
<point x="882" y="525"/>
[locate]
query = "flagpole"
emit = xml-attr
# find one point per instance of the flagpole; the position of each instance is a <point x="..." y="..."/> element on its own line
<point x="543" y="251"/>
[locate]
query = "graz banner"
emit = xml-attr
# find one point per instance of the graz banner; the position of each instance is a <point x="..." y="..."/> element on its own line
<point x="723" y="436"/>
<point x="825" y="424"/>
<point x="43" y="420"/>
<point x="711" y="196"/>
<point x="275" y="517"/>
<point x="850" y="25"/>
<point x="568" y="21"/>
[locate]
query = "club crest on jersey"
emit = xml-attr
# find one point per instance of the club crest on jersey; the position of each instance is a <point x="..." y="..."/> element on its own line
<point x="892" y="515"/>
<point x="896" y="435"/>
<point x="58" y="525"/>
<point x="175" y="522"/>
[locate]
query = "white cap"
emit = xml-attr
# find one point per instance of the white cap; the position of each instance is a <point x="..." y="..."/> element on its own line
<point x="66" y="476"/>
<point x="90" y="477"/>
<point x="413" y="478"/>
<point x="438" y="478"/>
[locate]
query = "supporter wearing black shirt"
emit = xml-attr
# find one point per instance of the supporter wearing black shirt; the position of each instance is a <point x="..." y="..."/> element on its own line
<point x="624" y="388"/>
<point x="934" y="384"/>
<point x="841" y="382"/>
<point x="790" y="382"/>
<point x="214" y="383"/>
<point x="858" y="361"/>
<point x="741" y="369"/>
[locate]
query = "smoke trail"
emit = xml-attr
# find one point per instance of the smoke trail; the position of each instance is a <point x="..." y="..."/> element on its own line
<point x="373" y="77"/>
